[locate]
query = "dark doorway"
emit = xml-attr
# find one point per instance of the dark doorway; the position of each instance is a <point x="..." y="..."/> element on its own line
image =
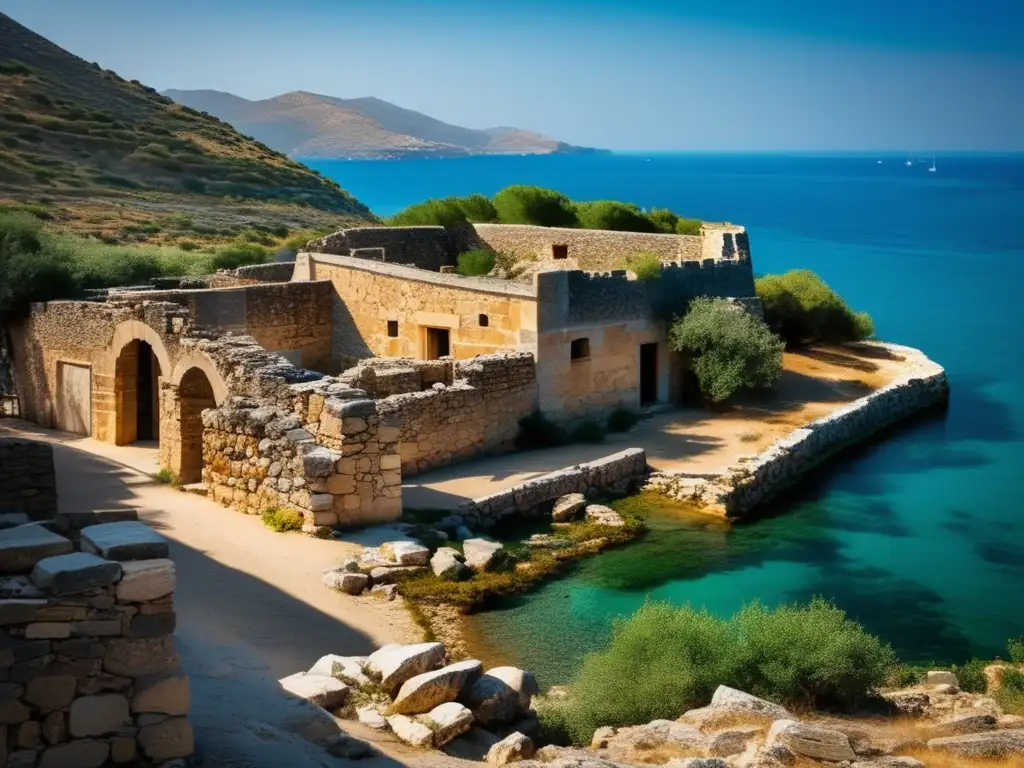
<point x="196" y="395"/>
<point x="648" y="374"/>
<point x="438" y="343"/>
<point x="147" y="426"/>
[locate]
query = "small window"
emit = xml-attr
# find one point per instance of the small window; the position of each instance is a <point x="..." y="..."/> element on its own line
<point x="560" y="251"/>
<point x="484" y="321"/>
<point x="393" y="329"/>
<point x="579" y="349"/>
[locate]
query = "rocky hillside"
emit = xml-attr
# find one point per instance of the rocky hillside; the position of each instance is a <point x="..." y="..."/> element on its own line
<point x="311" y="125"/>
<point x="99" y="152"/>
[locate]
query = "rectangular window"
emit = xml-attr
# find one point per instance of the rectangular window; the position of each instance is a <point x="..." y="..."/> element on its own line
<point x="560" y="251"/>
<point x="393" y="328"/>
<point x="579" y="349"/>
<point x="484" y="321"/>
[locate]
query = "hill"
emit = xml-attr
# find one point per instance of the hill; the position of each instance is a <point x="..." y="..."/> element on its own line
<point x="114" y="158"/>
<point x="312" y="125"/>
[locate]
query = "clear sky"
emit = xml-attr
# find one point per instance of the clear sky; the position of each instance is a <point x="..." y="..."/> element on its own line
<point x="920" y="75"/>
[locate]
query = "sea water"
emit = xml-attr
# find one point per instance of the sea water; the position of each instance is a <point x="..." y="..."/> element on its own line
<point x="920" y="535"/>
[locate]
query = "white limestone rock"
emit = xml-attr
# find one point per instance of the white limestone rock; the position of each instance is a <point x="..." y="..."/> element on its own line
<point x="348" y="669"/>
<point x="484" y="555"/>
<point x="446" y="565"/>
<point x="991" y="744"/>
<point x="942" y="677"/>
<point x="411" y="732"/>
<point x="391" y="574"/>
<point x="522" y="682"/>
<point x="346" y="581"/>
<point x="322" y="690"/>
<point x="396" y="664"/>
<point x="372" y="718"/>
<point x="811" y="741"/>
<point x="424" y="692"/>
<point x="599" y="514"/>
<point x="738" y="701"/>
<point x="568" y="507"/>
<point x="732" y="741"/>
<point x="448" y="721"/>
<point x="492" y="700"/>
<point x="405" y="553"/>
<point x="511" y="749"/>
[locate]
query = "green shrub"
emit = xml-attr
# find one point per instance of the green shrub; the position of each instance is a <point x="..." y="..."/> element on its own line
<point x="188" y="245"/>
<point x="645" y="265"/>
<point x="165" y="477"/>
<point x="521" y="204"/>
<point x="730" y="350"/>
<point x="281" y="520"/>
<point x="479" y="261"/>
<point x="446" y="212"/>
<point x="971" y="675"/>
<point x="239" y="255"/>
<point x="537" y="431"/>
<point x="801" y="308"/>
<point x="1010" y="695"/>
<point x="1016" y="650"/>
<point x="674" y="659"/>
<point x="613" y="215"/>
<point x="588" y="432"/>
<point x="689" y="226"/>
<point x="622" y="420"/>
<point x="31" y="269"/>
<point x="478" y="209"/>
<point x="664" y="219"/>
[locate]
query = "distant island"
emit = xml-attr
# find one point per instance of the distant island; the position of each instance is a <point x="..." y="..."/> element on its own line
<point x="302" y="124"/>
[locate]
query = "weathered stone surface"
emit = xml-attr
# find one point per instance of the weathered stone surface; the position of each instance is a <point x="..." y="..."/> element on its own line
<point x="322" y="690"/>
<point x="492" y="701"/>
<point x="391" y="574"/>
<point x="472" y="745"/>
<point x="396" y="664"/>
<point x="811" y="741"/>
<point x="122" y="750"/>
<point x="48" y="630"/>
<point x="127" y="540"/>
<point x="484" y="555"/>
<point x="428" y="690"/>
<point x="384" y="591"/>
<point x="348" y="669"/>
<point x="75" y="521"/>
<point x="346" y="581"/>
<point x="78" y="754"/>
<point x="568" y="507"/>
<point x="145" y="580"/>
<point x="19" y="611"/>
<point x="990" y="744"/>
<point x="731" y="741"/>
<point x="167" y="739"/>
<point x="522" y="682"/>
<point x="447" y="721"/>
<point x="13" y="711"/>
<point x="166" y="694"/>
<point x="446" y="564"/>
<point x="405" y="553"/>
<point x="77" y="572"/>
<point x="598" y="514"/>
<point x="21" y="548"/>
<point x="738" y="701"/>
<point x="152" y="624"/>
<point x="29" y="735"/>
<point x="54" y="728"/>
<point x="410" y="731"/>
<point x="134" y="657"/>
<point x="511" y="749"/>
<point x="965" y="723"/>
<point x="697" y="762"/>
<point x="50" y="692"/>
<point x="98" y="715"/>
<point x="941" y="677"/>
<point x="654" y="734"/>
<point x="371" y="718"/>
<point x="909" y="702"/>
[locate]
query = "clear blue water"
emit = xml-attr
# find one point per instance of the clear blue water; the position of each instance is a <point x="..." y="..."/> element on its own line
<point x="921" y="535"/>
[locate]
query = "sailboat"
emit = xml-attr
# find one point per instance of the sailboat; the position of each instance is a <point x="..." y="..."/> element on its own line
<point x="933" y="169"/>
<point x="910" y="159"/>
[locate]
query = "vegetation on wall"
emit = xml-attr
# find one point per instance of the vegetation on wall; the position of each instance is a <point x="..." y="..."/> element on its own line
<point x="674" y="659"/>
<point x="645" y="265"/>
<point x="522" y="204"/>
<point x="801" y="308"/>
<point x="477" y="262"/>
<point x="730" y="350"/>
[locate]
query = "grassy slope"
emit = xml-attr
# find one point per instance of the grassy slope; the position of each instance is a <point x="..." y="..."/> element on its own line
<point x="113" y="158"/>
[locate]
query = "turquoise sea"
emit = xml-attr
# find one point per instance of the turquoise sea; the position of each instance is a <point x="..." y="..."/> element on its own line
<point x="919" y="535"/>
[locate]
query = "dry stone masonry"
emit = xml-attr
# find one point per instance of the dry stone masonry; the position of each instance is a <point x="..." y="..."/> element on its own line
<point x="28" y="489"/>
<point x="87" y="659"/>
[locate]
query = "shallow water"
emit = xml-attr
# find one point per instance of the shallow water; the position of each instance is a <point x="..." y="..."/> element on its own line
<point x="919" y="535"/>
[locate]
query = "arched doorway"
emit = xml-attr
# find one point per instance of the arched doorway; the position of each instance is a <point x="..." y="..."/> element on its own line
<point x="195" y="393"/>
<point x="137" y="375"/>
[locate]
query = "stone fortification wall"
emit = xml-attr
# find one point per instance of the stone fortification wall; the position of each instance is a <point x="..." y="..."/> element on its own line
<point x="382" y="377"/>
<point x="475" y="413"/>
<point x="746" y="486"/>
<point x="292" y="319"/>
<point x="617" y="473"/>
<point x="28" y="484"/>
<point x="424" y="247"/>
<point x="87" y="658"/>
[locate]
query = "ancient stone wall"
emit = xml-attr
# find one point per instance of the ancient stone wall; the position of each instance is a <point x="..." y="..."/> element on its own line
<point x="28" y="484"/>
<point x="386" y="310"/>
<point x="744" y="487"/>
<point x="617" y="473"/>
<point x="424" y="247"/>
<point x="382" y="377"/>
<point x="475" y="413"/>
<point x="87" y="658"/>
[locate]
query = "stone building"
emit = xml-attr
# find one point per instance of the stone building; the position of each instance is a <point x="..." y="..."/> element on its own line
<point x="372" y="361"/>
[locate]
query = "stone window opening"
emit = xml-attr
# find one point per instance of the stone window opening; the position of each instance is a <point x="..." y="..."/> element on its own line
<point x="579" y="349"/>
<point x="560" y="251"/>
<point x="484" y="321"/>
<point x="393" y="329"/>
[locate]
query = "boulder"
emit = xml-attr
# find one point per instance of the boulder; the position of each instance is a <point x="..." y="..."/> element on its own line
<point x="522" y="682"/>
<point x="909" y="702"/>
<point x="598" y="514"/>
<point x="492" y="700"/>
<point x="942" y="677"/>
<point x="654" y="734"/>
<point x="991" y="744"/>
<point x="384" y="591"/>
<point x="346" y="581"/>
<point x="601" y="737"/>
<point x="484" y="555"/>
<point x="446" y="565"/>
<point x="405" y="553"/>
<point x="350" y="565"/>
<point x="410" y="731"/>
<point x="426" y="691"/>
<point x="391" y="574"/>
<point x="396" y="664"/>
<point x="962" y="724"/>
<point x="371" y="718"/>
<point x="811" y="741"/>
<point x="370" y="558"/>
<point x="732" y="741"/>
<point x="447" y="721"/>
<point x="568" y="507"/>
<point x="511" y="749"/>
<point x="738" y="701"/>
<point x="348" y="669"/>
<point x="472" y="745"/>
<point x="322" y="690"/>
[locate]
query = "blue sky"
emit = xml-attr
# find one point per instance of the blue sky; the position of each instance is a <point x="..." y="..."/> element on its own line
<point x="645" y="74"/>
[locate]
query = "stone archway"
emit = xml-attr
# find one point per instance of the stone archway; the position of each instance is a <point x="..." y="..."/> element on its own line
<point x="195" y="394"/>
<point x="138" y="360"/>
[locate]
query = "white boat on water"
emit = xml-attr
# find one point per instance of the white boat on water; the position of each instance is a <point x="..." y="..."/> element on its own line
<point x="933" y="169"/>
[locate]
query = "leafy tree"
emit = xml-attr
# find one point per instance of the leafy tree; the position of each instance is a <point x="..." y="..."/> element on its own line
<point x="801" y="308"/>
<point x="478" y="209"/>
<point x="730" y="350"/>
<point x="664" y="219"/>
<point x="615" y="216"/>
<point x="520" y="204"/>
<point x="444" y="212"/>
<point x="30" y="268"/>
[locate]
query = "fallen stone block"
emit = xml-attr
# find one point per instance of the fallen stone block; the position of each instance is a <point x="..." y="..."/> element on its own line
<point x="346" y="581"/>
<point x="410" y="731"/>
<point x="21" y="548"/>
<point x="348" y="669"/>
<point x="77" y="572"/>
<point x="447" y="721"/>
<point x="145" y="580"/>
<point x="568" y="507"/>
<point x="322" y="690"/>
<point x="484" y="555"/>
<point x="423" y="692"/>
<point x="991" y="744"/>
<point x="396" y="664"/>
<point x="511" y="749"/>
<point x="405" y="553"/>
<point x="124" y="541"/>
<point x="811" y="741"/>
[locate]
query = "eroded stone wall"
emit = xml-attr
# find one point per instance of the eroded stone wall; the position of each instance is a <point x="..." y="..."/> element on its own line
<point x="87" y="658"/>
<point x="424" y="247"/>
<point x="617" y="473"/>
<point x="28" y="484"/>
